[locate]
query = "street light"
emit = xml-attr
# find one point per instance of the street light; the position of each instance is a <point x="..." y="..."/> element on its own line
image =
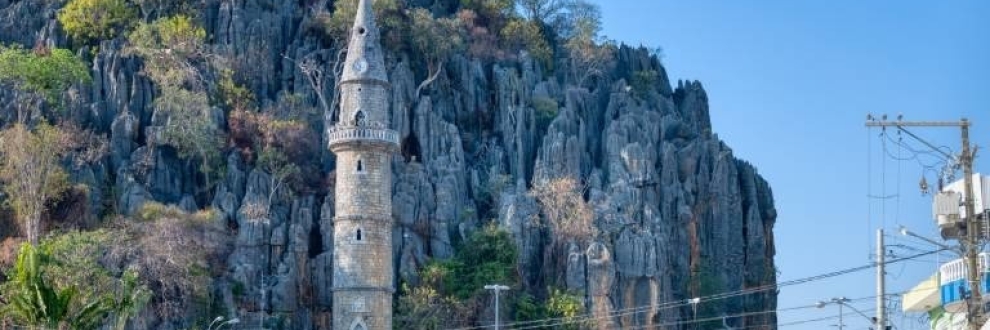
<point x="220" y="318"/>
<point x="231" y="321"/>
<point x="496" y="288"/>
<point x="904" y="231"/>
<point x="843" y="301"/>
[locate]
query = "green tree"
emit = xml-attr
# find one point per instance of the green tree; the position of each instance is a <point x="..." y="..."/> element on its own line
<point x="588" y="55"/>
<point x="189" y="125"/>
<point x="32" y="172"/>
<point x="174" y="50"/>
<point x="529" y="36"/>
<point x="74" y="260"/>
<point x="566" y="306"/>
<point x="153" y="9"/>
<point x="487" y="256"/>
<point x="130" y="300"/>
<point x="233" y="95"/>
<point x="435" y="39"/>
<point x="543" y="12"/>
<point x="93" y="20"/>
<point x="490" y="9"/>
<point x="546" y="110"/>
<point x="180" y="63"/>
<point x="280" y="170"/>
<point x="44" y="72"/>
<point x="644" y="81"/>
<point x="564" y="309"/>
<point x="450" y="291"/>
<point x="34" y="301"/>
<point x="424" y="307"/>
<point x="705" y="281"/>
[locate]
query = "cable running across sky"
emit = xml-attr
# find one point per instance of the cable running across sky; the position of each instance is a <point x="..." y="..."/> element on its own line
<point x="534" y="324"/>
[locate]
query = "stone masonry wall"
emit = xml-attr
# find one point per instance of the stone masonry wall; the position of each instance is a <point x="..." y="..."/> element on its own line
<point x="371" y="98"/>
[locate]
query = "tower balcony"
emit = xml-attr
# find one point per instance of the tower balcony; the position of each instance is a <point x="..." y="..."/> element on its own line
<point x="345" y="136"/>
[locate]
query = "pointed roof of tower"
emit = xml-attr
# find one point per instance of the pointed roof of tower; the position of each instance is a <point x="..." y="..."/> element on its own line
<point x="364" y="52"/>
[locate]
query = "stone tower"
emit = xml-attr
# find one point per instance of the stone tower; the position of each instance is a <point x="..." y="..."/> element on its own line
<point x="362" y="226"/>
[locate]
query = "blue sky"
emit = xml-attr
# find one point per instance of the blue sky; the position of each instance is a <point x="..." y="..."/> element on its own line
<point x="790" y="84"/>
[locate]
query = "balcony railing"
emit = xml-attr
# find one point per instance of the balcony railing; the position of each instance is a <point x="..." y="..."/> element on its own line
<point x="341" y="134"/>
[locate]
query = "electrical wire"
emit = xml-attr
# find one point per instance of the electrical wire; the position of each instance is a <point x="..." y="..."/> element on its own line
<point x="883" y="183"/>
<point x="869" y="190"/>
<point x="725" y="317"/>
<point x="897" y="201"/>
<point x="915" y="153"/>
<point x="684" y="321"/>
<point x="718" y="296"/>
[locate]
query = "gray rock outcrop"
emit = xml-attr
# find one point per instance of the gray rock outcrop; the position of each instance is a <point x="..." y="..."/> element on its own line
<point x="677" y="214"/>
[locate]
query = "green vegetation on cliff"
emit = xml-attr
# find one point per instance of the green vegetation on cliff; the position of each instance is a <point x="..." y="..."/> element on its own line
<point x="41" y="72"/>
<point x="93" y="20"/>
<point x="203" y="186"/>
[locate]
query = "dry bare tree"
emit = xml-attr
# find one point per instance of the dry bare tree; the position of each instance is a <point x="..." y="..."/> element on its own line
<point x="567" y="213"/>
<point x="30" y="167"/>
<point x="568" y="216"/>
<point x="176" y="253"/>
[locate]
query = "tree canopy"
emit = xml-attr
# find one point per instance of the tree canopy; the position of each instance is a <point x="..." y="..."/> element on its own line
<point x="42" y="71"/>
<point x="31" y="170"/>
<point x="93" y="20"/>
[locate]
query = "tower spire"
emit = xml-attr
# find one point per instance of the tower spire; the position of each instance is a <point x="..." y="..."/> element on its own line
<point x="363" y="275"/>
<point x="364" y="53"/>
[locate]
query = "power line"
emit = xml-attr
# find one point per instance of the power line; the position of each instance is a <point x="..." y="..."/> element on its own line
<point x="733" y="316"/>
<point x="718" y="296"/>
<point x="564" y="321"/>
<point x="914" y="152"/>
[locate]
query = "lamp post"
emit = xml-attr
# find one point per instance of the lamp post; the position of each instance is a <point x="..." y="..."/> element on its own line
<point x="904" y="231"/>
<point x="496" y="288"/>
<point x="839" y="301"/>
<point x="231" y="321"/>
<point x="220" y="318"/>
<point x="843" y="301"/>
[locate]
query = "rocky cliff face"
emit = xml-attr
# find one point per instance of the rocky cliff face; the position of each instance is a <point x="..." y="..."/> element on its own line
<point x="678" y="215"/>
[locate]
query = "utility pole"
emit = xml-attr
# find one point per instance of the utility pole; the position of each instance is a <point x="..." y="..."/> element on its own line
<point x="842" y="302"/>
<point x="972" y="233"/>
<point x="969" y="242"/>
<point x="841" y="324"/>
<point x="881" y="286"/>
<point x="496" y="288"/>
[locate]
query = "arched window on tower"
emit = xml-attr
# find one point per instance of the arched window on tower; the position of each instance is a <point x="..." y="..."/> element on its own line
<point x="359" y="118"/>
<point x="360" y="166"/>
<point x="359" y="234"/>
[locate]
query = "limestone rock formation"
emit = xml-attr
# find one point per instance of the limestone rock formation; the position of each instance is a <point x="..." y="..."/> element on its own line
<point x="677" y="215"/>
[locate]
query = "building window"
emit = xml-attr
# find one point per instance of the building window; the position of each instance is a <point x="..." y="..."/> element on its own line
<point x="359" y="118"/>
<point x="360" y="166"/>
<point x="359" y="234"/>
<point x="358" y="324"/>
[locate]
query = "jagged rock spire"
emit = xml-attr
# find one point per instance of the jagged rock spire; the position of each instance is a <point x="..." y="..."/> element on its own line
<point x="364" y="52"/>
